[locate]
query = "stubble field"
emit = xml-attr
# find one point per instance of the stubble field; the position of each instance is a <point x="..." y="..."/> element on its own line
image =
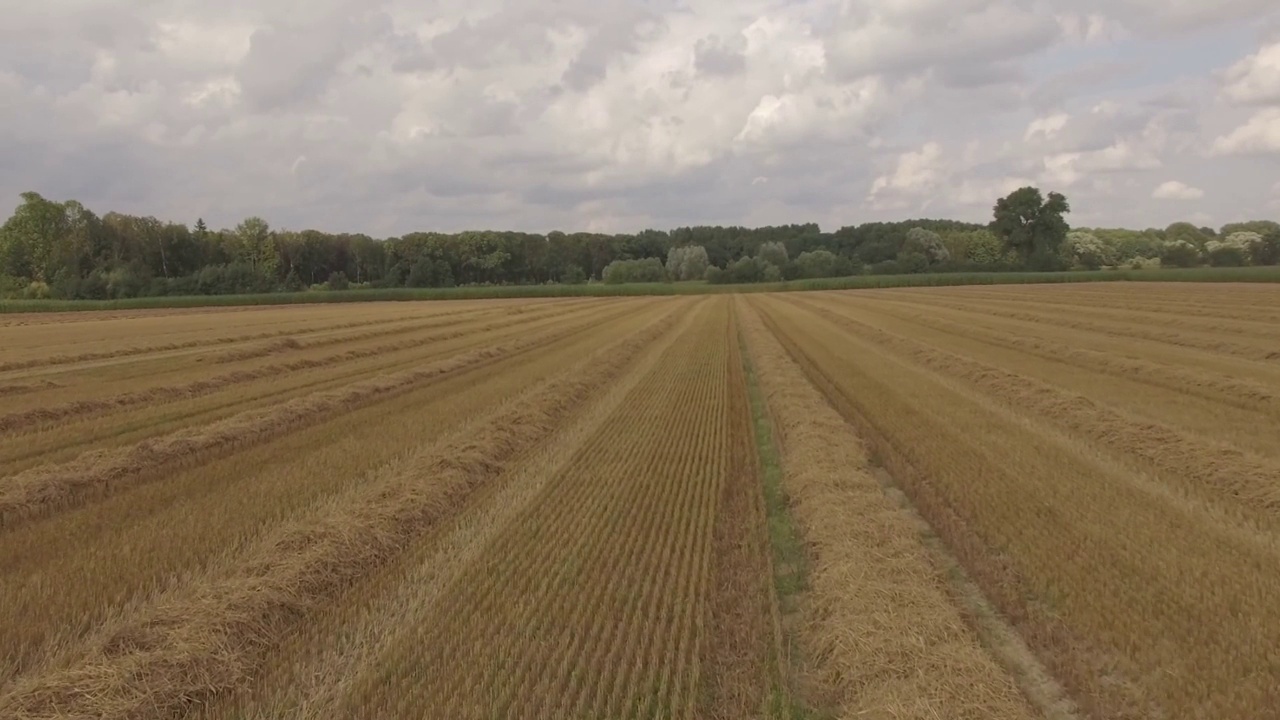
<point x="1019" y="502"/>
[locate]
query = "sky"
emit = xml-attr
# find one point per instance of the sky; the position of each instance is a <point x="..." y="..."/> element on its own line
<point x="390" y="116"/>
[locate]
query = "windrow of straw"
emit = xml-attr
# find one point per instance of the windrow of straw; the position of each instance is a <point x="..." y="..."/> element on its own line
<point x="41" y="490"/>
<point x="1170" y="330"/>
<point x="886" y="638"/>
<point x="24" y="388"/>
<point x="1196" y="465"/>
<point x="1216" y="386"/>
<point x="437" y="321"/>
<point x="1144" y="602"/>
<point x="53" y="360"/>
<point x="37" y="417"/>
<point x="212" y="635"/>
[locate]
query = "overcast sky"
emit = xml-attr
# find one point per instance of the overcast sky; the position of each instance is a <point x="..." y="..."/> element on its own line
<point x="386" y="116"/>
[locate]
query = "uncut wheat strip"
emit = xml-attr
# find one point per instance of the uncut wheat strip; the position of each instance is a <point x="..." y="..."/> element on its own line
<point x="30" y="420"/>
<point x="883" y="630"/>
<point x="415" y="595"/>
<point x="209" y="638"/>
<point x="40" y="490"/>
<point x="1209" y="469"/>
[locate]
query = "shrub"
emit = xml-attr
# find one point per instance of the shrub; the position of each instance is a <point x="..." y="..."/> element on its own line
<point x="648" y="270"/>
<point x="573" y="275"/>
<point x="1088" y="251"/>
<point x="818" y="264"/>
<point x="1227" y="256"/>
<point x="1267" y="250"/>
<point x="338" y="281"/>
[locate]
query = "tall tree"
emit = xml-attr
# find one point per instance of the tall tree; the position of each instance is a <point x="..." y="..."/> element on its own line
<point x="256" y="245"/>
<point x="1033" y="226"/>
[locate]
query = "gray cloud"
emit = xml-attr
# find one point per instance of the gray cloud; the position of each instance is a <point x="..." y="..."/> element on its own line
<point x="716" y="55"/>
<point x="391" y="116"/>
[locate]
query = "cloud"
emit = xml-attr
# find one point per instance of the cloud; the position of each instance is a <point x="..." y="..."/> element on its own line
<point x="1255" y="79"/>
<point x="1047" y="127"/>
<point x="1261" y="134"/>
<point x="492" y="113"/>
<point x="1174" y="190"/>
<point x="873" y="37"/>
<point x="917" y="173"/>
<point x="714" y="55"/>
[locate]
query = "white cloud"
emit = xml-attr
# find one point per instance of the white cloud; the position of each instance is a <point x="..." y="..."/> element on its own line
<point x="526" y="115"/>
<point x="1046" y="127"/>
<point x="1261" y="134"/>
<point x="1255" y="79"/>
<point x="1069" y="168"/>
<point x="1175" y="190"/>
<point x="916" y="173"/>
<point x="1091" y="28"/>
<point x="873" y="36"/>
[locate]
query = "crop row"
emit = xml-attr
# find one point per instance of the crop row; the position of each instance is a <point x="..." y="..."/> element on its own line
<point x="885" y="638"/>
<point x="45" y="414"/>
<point x="588" y="604"/>
<point x="1112" y="559"/>
<point x="207" y="636"/>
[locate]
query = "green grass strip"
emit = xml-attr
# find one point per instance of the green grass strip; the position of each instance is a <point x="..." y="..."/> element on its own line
<point x="790" y="563"/>
<point x="1245" y="274"/>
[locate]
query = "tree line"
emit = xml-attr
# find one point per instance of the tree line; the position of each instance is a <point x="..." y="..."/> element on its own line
<point x="64" y="250"/>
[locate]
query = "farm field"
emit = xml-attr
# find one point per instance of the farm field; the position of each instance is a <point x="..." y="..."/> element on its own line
<point x="1026" y="501"/>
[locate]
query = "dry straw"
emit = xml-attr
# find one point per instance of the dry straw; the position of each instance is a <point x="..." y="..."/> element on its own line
<point x="211" y="636"/>
<point x="887" y="640"/>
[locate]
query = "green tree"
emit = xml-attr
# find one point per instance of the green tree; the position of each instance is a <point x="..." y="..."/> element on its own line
<point x="28" y="238"/>
<point x="1032" y="226"/>
<point x="1180" y="254"/>
<point x="1267" y="251"/>
<point x="1088" y="250"/>
<point x="774" y="253"/>
<point x="925" y="243"/>
<point x="1262" y="227"/>
<point x="687" y="263"/>
<point x="1186" y="232"/>
<point x="256" y="246"/>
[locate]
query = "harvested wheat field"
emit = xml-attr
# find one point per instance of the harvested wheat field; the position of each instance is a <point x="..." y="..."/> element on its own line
<point x="1051" y="502"/>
